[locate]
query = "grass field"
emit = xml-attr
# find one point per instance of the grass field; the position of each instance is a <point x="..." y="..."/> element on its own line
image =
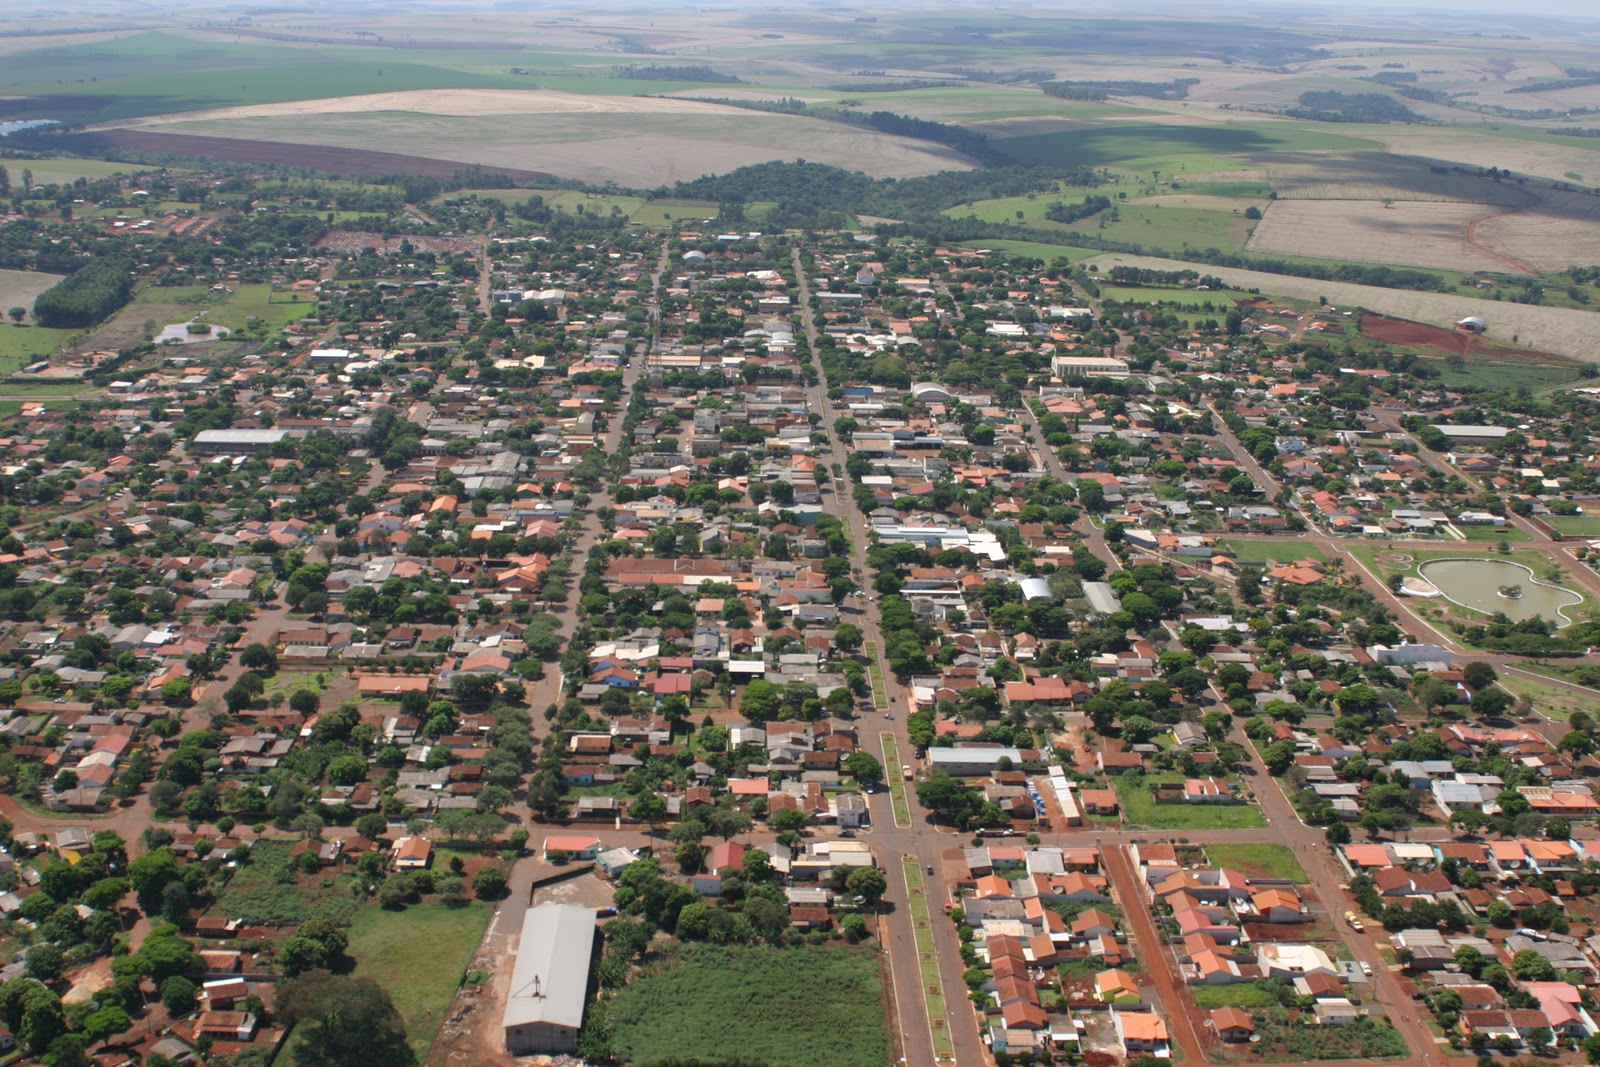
<point x="781" y="1007"/>
<point x="57" y="170"/>
<point x="21" y="345"/>
<point x="1219" y="299"/>
<point x="1582" y="525"/>
<point x="1237" y="995"/>
<point x="1171" y="151"/>
<point x="266" y="889"/>
<point x="1493" y="534"/>
<point x="1285" y="551"/>
<point x="1139" y="807"/>
<point x="1550" y="701"/>
<point x="420" y="956"/>
<point x="1258" y="860"/>
<point x="1035" y="250"/>
<point x="880" y="691"/>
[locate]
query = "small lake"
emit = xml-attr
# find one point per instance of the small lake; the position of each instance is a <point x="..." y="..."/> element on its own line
<point x="178" y="334"/>
<point x="1475" y="583"/>
<point x="18" y="125"/>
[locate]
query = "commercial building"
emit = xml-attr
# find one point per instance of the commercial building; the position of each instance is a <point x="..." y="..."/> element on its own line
<point x="235" y="442"/>
<point x="550" y="981"/>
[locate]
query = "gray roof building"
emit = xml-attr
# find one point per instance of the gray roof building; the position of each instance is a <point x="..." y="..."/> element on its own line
<point x="549" y="984"/>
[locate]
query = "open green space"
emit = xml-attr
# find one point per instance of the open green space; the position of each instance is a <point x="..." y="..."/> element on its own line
<point x="60" y="169"/>
<point x="1283" y="1041"/>
<point x="267" y="889"/>
<point x="419" y="955"/>
<point x="927" y="958"/>
<point x="1139" y="807"/>
<point x="780" y="1007"/>
<point x="1551" y="701"/>
<point x="1507" y="374"/>
<point x="1035" y="249"/>
<point x="1257" y="859"/>
<point x="1493" y="534"/>
<point x="1234" y="995"/>
<point x="1188" y="298"/>
<point x="1288" y="550"/>
<point x="1580" y="525"/>
<point x="22" y="345"/>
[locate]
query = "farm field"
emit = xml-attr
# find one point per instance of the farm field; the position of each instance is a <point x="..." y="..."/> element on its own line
<point x="69" y="169"/>
<point x="1139" y="807"/>
<point x="817" y="1005"/>
<point x="1565" y="331"/>
<point x="1176" y="151"/>
<point x="18" y="288"/>
<point x="640" y="148"/>
<point x="419" y="955"/>
<point x="1404" y="232"/>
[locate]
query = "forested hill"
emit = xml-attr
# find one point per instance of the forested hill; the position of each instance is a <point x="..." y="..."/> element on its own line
<point x="809" y="194"/>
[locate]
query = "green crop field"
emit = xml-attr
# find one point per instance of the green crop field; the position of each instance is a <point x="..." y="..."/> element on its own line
<point x="815" y="1004"/>
<point x="1174" y="151"/>
<point x="419" y="955"/>
<point x="57" y="170"/>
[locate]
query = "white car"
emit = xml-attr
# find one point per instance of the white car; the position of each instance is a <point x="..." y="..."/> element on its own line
<point x="1366" y="968"/>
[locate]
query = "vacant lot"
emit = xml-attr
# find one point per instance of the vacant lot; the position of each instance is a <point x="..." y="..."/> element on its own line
<point x="1409" y="233"/>
<point x="782" y="1007"/>
<point x="420" y="956"/>
<point x="267" y="889"/>
<point x="1139" y="807"/>
<point x="1257" y="860"/>
<point x="18" y="288"/>
<point x="1565" y="331"/>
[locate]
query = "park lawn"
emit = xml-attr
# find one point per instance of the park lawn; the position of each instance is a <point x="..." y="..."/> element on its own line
<point x="815" y="1005"/>
<point x="1264" y="552"/>
<point x="1139" y="807"/>
<point x="1234" y="995"/>
<point x="69" y="169"/>
<point x="276" y="309"/>
<point x="1548" y="700"/>
<point x="1258" y="860"/>
<point x="419" y="955"/>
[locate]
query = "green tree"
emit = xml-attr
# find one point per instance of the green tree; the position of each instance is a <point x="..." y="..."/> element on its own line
<point x="179" y="995"/>
<point x="489" y="883"/>
<point x="867" y="882"/>
<point x="349" y="1022"/>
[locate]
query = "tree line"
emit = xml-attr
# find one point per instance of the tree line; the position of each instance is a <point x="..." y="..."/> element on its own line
<point x="88" y="296"/>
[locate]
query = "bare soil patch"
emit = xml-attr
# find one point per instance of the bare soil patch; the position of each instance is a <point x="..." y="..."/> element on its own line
<point x="1454" y="342"/>
<point x="1561" y="229"/>
<point x="1408" y="233"/>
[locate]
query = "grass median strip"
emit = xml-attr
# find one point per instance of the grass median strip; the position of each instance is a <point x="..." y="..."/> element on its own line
<point x="880" y="691"/>
<point x="897" y="786"/>
<point x="928" y="960"/>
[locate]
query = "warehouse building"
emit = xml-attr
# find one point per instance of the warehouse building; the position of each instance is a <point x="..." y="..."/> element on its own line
<point x="235" y="442"/>
<point x="550" y="981"/>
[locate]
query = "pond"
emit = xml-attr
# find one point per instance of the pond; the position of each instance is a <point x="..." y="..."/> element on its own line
<point x="180" y="334"/>
<point x="1479" y="583"/>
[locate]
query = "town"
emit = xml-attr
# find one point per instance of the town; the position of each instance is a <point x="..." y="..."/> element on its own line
<point x="484" y="629"/>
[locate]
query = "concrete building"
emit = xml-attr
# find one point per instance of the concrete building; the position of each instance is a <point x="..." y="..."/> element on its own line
<point x="550" y="981"/>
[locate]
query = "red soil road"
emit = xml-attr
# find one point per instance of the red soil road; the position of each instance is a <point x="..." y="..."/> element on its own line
<point x="1178" y="1009"/>
<point x="1421" y="335"/>
<point x="351" y="162"/>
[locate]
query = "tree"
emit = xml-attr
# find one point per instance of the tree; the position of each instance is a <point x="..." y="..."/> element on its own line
<point x="303" y="702"/>
<point x="17" y="313"/>
<point x="150" y="874"/>
<point x="490" y="883"/>
<point x="1358" y="700"/>
<point x="788" y="819"/>
<point x="179" y="994"/>
<point x="847" y="638"/>
<point x="867" y="882"/>
<point x="298" y="955"/>
<point x="349" y="1022"/>
<point x="1479" y="675"/>
<point x="1278" y="756"/>
<point x="864" y="767"/>
<point x="258" y="657"/>
<point x="45" y="962"/>
<point x="648" y="808"/>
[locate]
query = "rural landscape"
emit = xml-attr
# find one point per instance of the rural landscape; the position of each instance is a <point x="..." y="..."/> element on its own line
<point x="794" y="536"/>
